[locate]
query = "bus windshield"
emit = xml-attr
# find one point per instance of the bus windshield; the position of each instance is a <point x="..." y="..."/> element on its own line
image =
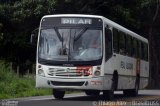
<point x="70" y="44"/>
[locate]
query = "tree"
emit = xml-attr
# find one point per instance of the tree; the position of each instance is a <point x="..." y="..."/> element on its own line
<point x="18" y="18"/>
<point x="154" y="66"/>
<point x="141" y="16"/>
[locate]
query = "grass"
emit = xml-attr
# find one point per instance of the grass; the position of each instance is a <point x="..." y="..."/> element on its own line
<point x="11" y="86"/>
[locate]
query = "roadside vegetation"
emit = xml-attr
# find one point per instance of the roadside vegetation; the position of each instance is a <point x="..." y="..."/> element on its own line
<point x="13" y="86"/>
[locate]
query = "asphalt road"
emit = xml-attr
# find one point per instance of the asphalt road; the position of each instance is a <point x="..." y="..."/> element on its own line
<point x="151" y="97"/>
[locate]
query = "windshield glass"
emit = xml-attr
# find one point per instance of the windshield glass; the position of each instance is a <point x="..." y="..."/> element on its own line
<point x="70" y="44"/>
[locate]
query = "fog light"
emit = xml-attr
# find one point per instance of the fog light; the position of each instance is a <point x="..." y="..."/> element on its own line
<point x="41" y="72"/>
<point x="97" y="73"/>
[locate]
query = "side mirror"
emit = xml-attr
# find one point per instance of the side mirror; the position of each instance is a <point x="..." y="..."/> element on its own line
<point x="32" y="40"/>
<point x="34" y="36"/>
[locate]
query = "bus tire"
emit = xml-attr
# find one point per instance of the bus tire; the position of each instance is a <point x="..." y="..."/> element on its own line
<point x="133" y="92"/>
<point x="58" y="94"/>
<point x="115" y="80"/>
<point x="109" y="94"/>
<point x="92" y="92"/>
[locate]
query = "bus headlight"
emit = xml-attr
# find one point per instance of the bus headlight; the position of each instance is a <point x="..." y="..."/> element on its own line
<point x="41" y="72"/>
<point x="97" y="73"/>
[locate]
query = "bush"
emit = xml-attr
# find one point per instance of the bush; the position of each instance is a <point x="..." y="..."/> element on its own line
<point x="12" y="86"/>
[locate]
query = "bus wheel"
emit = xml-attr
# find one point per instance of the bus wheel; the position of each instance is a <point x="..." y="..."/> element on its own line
<point x="92" y="92"/>
<point x="58" y="94"/>
<point x="109" y="94"/>
<point x="133" y="92"/>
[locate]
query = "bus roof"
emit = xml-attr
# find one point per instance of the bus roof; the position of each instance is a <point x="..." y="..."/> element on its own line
<point x="105" y="20"/>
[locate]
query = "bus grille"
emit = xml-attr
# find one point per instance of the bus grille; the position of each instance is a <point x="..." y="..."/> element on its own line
<point x="66" y="72"/>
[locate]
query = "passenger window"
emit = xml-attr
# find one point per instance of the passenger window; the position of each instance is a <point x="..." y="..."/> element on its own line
<point x="146" y="52"/>
<point x="122" y="43"/>
<point x="128" y="45"/>
<point x="131" y="45"/>
<point x="138" y="49"/>
<point x="134" y="48"/>
<point x="108" y="43"/>
<point x="115" y="41"/>
<point x="142" y="51"/>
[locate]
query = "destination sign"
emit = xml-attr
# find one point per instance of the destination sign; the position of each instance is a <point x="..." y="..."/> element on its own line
<point x="71" y="21"/>
<point x="76" y="21"/>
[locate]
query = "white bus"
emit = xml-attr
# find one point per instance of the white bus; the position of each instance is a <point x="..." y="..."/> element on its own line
<point x="90" y="53"/>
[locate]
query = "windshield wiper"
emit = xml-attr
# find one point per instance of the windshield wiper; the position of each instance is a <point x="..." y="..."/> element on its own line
<point x="58" y="34"/>
<point x="80" y="34"/>
<point x="69" y="57"/>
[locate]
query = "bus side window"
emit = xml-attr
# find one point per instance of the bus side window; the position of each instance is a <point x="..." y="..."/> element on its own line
<point x="134" y="47"/>
<point x="128" y="45"/>
<point x="139" y="49"/>
<point x="108" y="43"/>
<point x="115" y="41"/>
<point x="131" y="46"/>
<point x="142" y="51"/>
<point x="122" y="43"/>
<point x="146" y="52"/>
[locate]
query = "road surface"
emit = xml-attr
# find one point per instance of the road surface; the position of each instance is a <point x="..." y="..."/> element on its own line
<point x="145" y="97"/>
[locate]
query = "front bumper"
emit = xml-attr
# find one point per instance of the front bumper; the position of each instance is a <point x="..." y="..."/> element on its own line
<point x="95" y="83"/>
